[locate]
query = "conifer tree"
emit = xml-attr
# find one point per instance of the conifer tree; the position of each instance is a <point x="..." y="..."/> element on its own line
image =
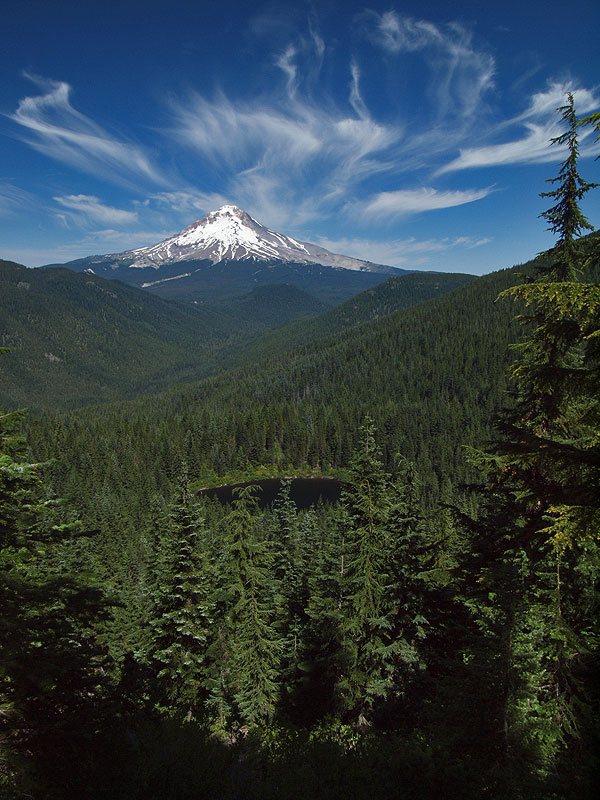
<point x="382" y="615"/>
<point x="289" y="570"/>
<point x="565" y="217"/>
<point x="183" y="610"/>
<point x="51" y="665"/>
<point x="542" y="511"/>
<point x="325" y="658"/>
<point x="550" y="439"/>
<point x="407" y="591"/>
<point x="252" y="648"/>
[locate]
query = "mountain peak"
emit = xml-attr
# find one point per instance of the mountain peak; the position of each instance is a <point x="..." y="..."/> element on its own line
<point x="228" y="209"/>
<point x="228" y="213"/>
<point x="231" y="234"/>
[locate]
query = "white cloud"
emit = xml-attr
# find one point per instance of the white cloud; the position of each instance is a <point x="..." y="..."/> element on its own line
<point x="14" y="200"/>
<point x="241" y="135"/>
<point x="410" y="252"/>
<point x="546" y="102"/>
<point x="400" y="34"/>
<point x="412" y="201"/>
<point x="531" y="148"/>
<point x="461" y="73"/>
<point x="286" y="156"/>
<point x="285" y="62"/>
<point x="356" y="100"/>
<point x="59" y="131"/>
<point x="296" y="152"/>
<point x="95" y="211"/>
<point x="187" y="201"/>
<point x="318" y="45"/>
<point x="539" y="123"/>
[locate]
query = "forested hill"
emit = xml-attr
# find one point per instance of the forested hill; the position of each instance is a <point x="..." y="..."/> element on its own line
<point x="431" y="377"/>
<point x="395" y="294"/>
<point x="272" y="305"/>
<point x="87" y="340"/>
<point x="79" y="339"/>
<point x="433" y="632"/>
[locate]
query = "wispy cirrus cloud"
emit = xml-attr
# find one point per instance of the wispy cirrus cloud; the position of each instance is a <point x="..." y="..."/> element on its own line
<point x="285" y="62"/>
<point x="289" y="152"/>
<point x="55" y="128"/>
<point x="92" y="209"/>
<point x="356" y="100"/>
<point x="398" y="33"/>
<point x="461" y="72"/>
<point x="413" y="201"/>
<point x="187" y="201"/>
<point x="411" y="252"/>
<point x="309" y="145"/>
<point x="14" y="200"/>
<point x="297" y="153"/>
<point x="537" y="125"/>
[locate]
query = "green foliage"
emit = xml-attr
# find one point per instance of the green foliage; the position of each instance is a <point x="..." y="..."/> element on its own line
<point x="183" y="609"/>
<point x="394" y="294"/>
<point x="245" y="653"/>
<point x="51" y="666"/>
<point x="383" y="591"/>
<point x="273" y="305"/>
<point x="87" y="340"/>
<point x="532" y="603"/>
<point x="565" y="217"/>
<point x="409" y="640"/>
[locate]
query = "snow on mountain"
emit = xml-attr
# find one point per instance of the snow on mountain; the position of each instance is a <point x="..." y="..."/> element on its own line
<point x="232" y="234"/>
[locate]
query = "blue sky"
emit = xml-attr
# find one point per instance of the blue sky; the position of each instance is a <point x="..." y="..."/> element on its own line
<point x="411" y="134"/>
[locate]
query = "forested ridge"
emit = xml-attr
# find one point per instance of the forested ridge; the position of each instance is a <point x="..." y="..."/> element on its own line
<point x="430" y="376"/>
<point x="433" y="634"/>
<point x="88" y="340"/>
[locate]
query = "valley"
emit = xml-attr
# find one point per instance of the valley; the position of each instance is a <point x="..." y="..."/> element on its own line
<point x="88" y="340"/>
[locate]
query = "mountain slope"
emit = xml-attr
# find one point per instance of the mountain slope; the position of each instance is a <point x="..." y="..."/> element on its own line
<point x="205" y="282"/>
<point x="230" y="234"/>
<point x="430" y="376"/>
<point x="227" y="253"/>
<point x="273" y="305"/>
<point x="395" y="294"/>
<point x="78" y="339"/>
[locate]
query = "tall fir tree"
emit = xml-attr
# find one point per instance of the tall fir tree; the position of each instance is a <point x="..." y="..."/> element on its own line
<point x="289" y="569"/>
<point x="383" y="618"/>
<point x="53" y="680"/>
<point x="183" y="611"/>
<point x="566" y="217"/>
<point x="246" y="655"/>
<point x="530" y="601"/>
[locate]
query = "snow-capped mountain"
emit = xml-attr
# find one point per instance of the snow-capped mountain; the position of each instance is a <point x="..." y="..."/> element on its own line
<point x="231" y="234"/>
<point x="228" y="253"/>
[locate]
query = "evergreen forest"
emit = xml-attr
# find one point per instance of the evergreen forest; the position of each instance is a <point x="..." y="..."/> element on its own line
<point x="433" y="633"/>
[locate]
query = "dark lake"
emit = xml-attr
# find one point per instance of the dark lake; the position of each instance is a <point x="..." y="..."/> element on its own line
<point x="304" y="492"/>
